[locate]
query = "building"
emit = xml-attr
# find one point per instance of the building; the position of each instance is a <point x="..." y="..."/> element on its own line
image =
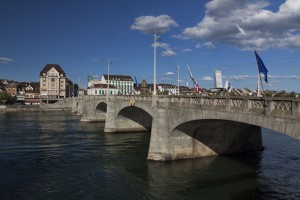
<point x="143" y="88"/>
<point x="218" y="79"/>
<point x="11" y="88"/>
<point x="22" y="92"/>
<point x="101" y="89"/>
<point x="54" y="84"/>
<point x="32" y="93"/>
<point x="123" y="83"/>
<point x="168" y="89"/>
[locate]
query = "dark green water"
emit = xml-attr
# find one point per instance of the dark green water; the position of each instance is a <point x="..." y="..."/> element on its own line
<point x="52" y="155"/>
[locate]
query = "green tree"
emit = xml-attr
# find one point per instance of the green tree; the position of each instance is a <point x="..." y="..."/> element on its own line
<point x="292" y="94"/>
<point x="6" y="98"/>
<point x="280" y="94"/>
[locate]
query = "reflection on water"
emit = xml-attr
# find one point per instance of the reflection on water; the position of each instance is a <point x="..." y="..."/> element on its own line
<point x="52" y="155"/>
<point x="204" y="178"/>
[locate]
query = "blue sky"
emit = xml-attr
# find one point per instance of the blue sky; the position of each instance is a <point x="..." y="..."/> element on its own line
<point x="80" y="36"/>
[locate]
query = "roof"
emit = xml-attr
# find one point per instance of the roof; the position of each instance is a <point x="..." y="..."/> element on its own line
<point x="49" y="66"/>
<point x="118" y="77"/>
<point x="35" y="86"/>
<point x="5" y="81"/>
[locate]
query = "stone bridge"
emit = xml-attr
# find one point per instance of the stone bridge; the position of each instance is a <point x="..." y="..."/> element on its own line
<point x="193" y="126"/>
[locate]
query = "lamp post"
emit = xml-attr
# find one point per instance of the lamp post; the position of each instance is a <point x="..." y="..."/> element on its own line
<point x="108" y="63"/>
<point x="178" y="78"/>
<point x="154" y="79"/>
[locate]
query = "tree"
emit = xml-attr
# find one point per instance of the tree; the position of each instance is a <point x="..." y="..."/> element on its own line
<point x="6" y="98"/>
<point x="280" y="94"/>
<point x="292" y="94"/>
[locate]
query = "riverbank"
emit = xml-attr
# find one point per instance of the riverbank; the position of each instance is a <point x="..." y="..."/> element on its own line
<point x="30" y="108"/>
<point x="18" y="108"/>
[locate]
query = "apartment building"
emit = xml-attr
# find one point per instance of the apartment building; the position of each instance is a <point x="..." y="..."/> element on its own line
<point x="123" y="83"/>
<point x="54" y="84"/>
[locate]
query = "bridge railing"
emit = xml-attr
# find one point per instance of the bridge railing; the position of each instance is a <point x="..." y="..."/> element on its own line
<point x="287" y="107"/>
<point x="266" y="106"/>
<point x="284" y="107"/>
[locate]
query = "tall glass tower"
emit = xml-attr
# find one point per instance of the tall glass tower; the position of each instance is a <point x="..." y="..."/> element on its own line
<point x="218" y="79"/>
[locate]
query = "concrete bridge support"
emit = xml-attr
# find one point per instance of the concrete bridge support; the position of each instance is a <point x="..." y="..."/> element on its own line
<point x="74" y="105"/>
<point x="93" y="111"/>
<point x="79" y="106"/>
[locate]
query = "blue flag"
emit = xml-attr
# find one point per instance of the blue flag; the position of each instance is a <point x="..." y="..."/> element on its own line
<point x="261" y="66"/>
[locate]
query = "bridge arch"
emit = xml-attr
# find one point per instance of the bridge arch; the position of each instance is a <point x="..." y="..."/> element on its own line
<point x="273" y="122"/>
<point x="201" y="133"/>
<point x="126" y="115"/>
<point x="135" y="116"/>
<point x="207" y="137"/>
<point x="101" y="107"/>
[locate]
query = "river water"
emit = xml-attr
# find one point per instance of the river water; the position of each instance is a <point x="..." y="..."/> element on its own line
<point x="52" y="155"/>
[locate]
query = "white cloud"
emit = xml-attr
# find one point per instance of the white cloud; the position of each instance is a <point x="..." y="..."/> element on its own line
<point x="249" y="24"/>
<point x="180" y="37"/>
<point x="207" y="78"/>
<point x="284" y="77"/>
<point x="238" y="77"/>
<point x="147" y="24"/>
<point x="167" y="49"/>
<point x="186" y="50"/>
<point x="168" y="74"/>
<point x="162" y="45"/>
<point x="5" y="60"/>
<point x="208" y="45"/>
<point x="168" y="52"/>
<point x="270" y="77"/>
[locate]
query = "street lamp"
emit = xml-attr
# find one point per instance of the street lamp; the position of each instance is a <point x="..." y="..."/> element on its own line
<point x="154" y="80"/>
<point x="108" y="63"/>
<point x="178" y="78"/>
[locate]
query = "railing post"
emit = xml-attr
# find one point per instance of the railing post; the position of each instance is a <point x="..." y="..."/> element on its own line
<point x="295" y="108"/>
<point x="214" y="102"/>
<point x="246" y="105"/>
<point x="228" y="104"/>
<point x="268" y="106"/>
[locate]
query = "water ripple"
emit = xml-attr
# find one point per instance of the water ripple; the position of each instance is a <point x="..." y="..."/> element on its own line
<point x="53" y="155"/>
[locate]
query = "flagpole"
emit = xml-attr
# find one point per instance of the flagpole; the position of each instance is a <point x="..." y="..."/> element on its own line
<point x="154" y="78"/>
<point x="178" y="78"/>
<point x="262" y="87"/>
<point x="258" y="84"/>
<point x="108" y="62"/>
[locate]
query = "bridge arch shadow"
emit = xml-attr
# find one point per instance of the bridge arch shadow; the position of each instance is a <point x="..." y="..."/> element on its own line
<point x="140" y="117"/>
<point x="102" y="107"/>
<point x="215" y="137"/>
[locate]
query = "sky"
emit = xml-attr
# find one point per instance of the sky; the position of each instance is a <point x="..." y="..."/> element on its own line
<point x="81" y="36"/>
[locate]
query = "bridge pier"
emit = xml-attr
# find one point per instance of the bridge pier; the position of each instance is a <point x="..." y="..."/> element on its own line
<point x="78" y="105"/>
<point x="91" y="113"/>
